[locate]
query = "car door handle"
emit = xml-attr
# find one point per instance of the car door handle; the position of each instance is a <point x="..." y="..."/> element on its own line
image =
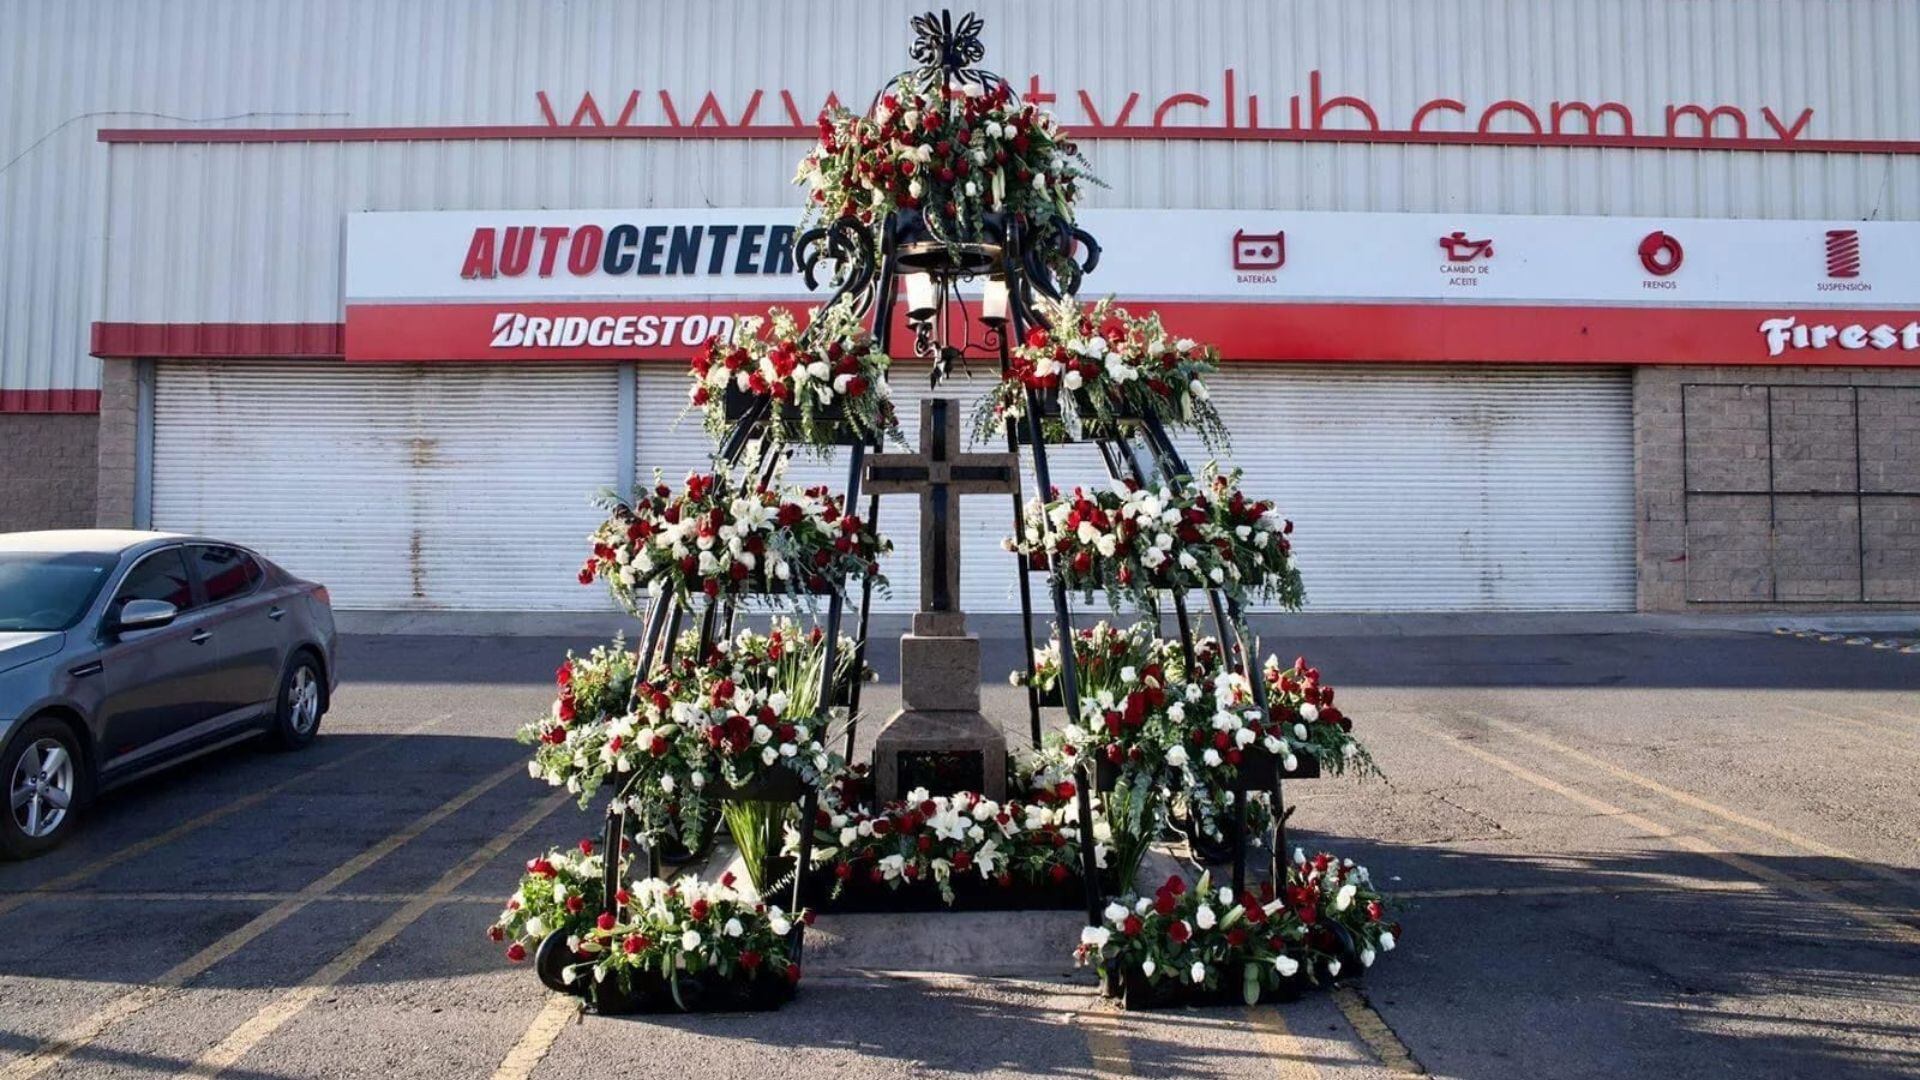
<point x="200" y="636"/>
<point x="81" y="671"/>
<point x="276" y="613"/>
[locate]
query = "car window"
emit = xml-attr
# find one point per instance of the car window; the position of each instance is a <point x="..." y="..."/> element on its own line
<point x="160" y="576"/>
<point x="226" y="572"/>
<point x="49" y="590"/>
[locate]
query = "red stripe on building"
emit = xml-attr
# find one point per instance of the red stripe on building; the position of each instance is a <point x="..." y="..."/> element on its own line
<point x="545" y="132"/>
<point x="49" y="401"/>
<point x="1252" y="332"/>
<point x="186" y="341"/>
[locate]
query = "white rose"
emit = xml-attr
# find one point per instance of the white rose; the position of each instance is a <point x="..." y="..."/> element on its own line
<point x="1115" y="913"/>
<point x="1333" y="968"/>
<point x="1176" y="756"/>
<point x="1205" y="918"/>
<point x="1386" y="941"/>
<point x="1095" y="936"/>
<point x="1211" y="757"/>
<point x="1198" y="972"/>
<point x="1300" y="732"/>
<point x="1286" y="966"/>
<point x="1343" y="899"/>
<point x="666" y="783"/>
<point x="690" y="940"/>
<point x="1366" y="958"/>
<point x="778" y="923"/>
<point x="1148" y="967"/>
<point x="1309" y="712"/>
<point x="848" y="835"/>
<point x="1072" y="380"/>
<point x="535" y="927"/>
<point x="734" y="929"/>
<point x="769" y="755"/>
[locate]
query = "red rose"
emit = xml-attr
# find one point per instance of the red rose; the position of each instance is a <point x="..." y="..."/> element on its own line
<point x="1131" y="926"/>
<point x="1058" y="873"/>
<point x="575" y="904"/>
<point x="540" y="868"/>
<point x="1179" y="932"/>
<point x="605" y="921"/>
<point x="699" y="909"/>
<point x="633" y="944"/>
<point x="793" y="973"/>
<point x="1164" y="903"/>
<point x="962" y="860"/>
<point x="842" y="871"/>
<point x="516" y="952"/>
<point x="749" y="959"/>
<point x="496" y="933"/>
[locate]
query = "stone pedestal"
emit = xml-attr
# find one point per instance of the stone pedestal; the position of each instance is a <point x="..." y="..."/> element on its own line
<point x="940" y="740"/>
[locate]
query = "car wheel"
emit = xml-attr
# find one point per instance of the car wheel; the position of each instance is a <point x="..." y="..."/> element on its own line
<point x="303" y="698"/>
<point x="45" y="779"/>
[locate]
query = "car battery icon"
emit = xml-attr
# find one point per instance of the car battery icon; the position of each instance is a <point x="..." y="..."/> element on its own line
<point x="1259" y="251"/>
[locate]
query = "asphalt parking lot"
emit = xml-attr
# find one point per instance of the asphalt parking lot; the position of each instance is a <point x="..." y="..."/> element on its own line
<point x="1633" y="854"/>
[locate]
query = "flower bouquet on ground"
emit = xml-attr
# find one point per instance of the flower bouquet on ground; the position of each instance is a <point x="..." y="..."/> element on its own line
<point x="1304" y="704"/>
<point x="561" y="892"/>
<point x="1100" y="365"/>
<point x="722" y="536"/>
<point x="968" y="850"/>
<point x="826" y="382"/>
<point x="686" y="945"/>
<point x="1199" y="945"/>
<point x="1134" y="541"/>
<point x="953" y="158"/>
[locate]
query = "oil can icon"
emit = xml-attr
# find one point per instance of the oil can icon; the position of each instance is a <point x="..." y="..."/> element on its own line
<point x="1259" y="251"/>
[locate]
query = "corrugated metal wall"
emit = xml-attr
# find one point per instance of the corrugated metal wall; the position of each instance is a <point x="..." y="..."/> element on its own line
<point x="252" y="233"/>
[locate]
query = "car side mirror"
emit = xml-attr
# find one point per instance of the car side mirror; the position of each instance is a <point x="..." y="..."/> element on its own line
<point x="144" y="615"/>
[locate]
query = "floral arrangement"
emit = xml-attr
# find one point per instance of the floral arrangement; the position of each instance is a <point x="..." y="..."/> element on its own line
<point x="934" y="839"/>
<point x="709" y="723"/>
<point x="1104" y="654"/>
<point x="1113" y="365"/>
<point x="684" y="927"/>
<point x="1327" y="916"/>
<point x="1134" y="541"/>
<point x="818" y="377"/>
<point x="718" y="538"/>
<point x="561" y="890"/>
<point x="1297" y="698"/>
<point x="953" y="155"/>
<point x="571" y="740"/>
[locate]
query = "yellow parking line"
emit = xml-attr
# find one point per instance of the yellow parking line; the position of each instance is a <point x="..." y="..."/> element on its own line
<point x="1878" y="732"/>
<point x="539" y="1036"/>
<point x="533" y="1046"/>
<point x="1106" y="1042"/>
<point x="1289" y="1055"/>
<point x="1696" y="802"/>
<point x="1492" y="892"/>
<point x="1891" y="715"/>
<point x="1373" y="1031"/>
<point x="108" y="896"/>
<point x="271" y="1017"/>
<point x="192" y="825"/>
<point x="79" y="1035"/>
<point x="1887" y="925"/>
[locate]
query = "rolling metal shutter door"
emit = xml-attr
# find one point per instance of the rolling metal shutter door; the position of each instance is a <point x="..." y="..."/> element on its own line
<point x="1444" y="487"/>
<point x="436" y="486"/>
<point x="1412" y="488"/>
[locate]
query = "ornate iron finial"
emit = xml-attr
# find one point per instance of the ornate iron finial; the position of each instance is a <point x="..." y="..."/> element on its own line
<point x="947" y="53"/>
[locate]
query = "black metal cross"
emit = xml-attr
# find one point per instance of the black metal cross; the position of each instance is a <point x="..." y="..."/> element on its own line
<point x="938" y="474"/>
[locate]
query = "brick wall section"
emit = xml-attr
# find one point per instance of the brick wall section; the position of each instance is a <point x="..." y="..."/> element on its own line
<point x="119" y="425"/>
<point x="1810" y="545"/>
<point x="46" y="471"/>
